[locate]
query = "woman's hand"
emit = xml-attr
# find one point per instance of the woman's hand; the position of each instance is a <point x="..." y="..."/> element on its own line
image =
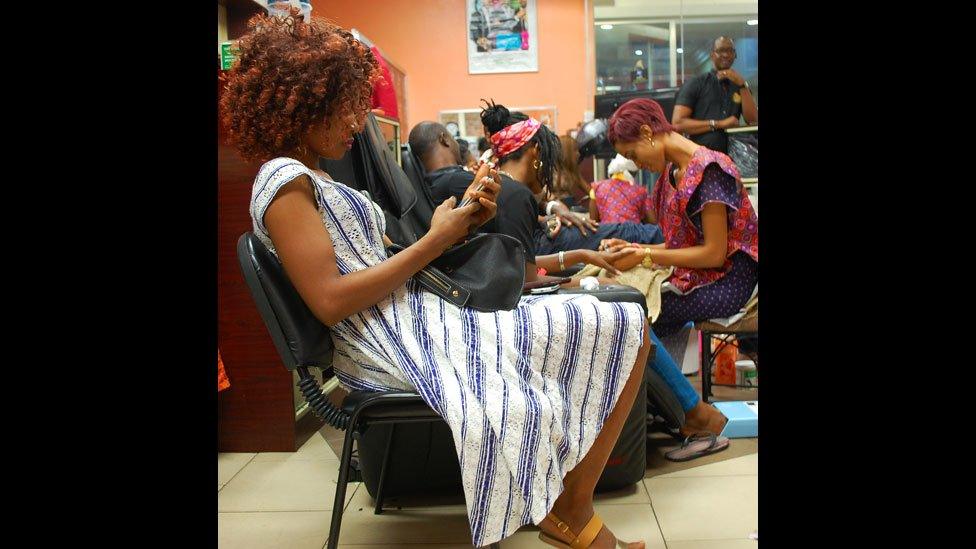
<point x="630" y="258"/>
<point x="605" y="260"/>
<point x="487" y="197"/>
<point x="581" y="223"/>
<point x="567" y="218"/>
<point x="615" y="244"/>
<point x="449" y="224"/>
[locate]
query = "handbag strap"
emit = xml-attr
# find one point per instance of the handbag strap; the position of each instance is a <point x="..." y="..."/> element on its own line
<point x="435" y="281"/>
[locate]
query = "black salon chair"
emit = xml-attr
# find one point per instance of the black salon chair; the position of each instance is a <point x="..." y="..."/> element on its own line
<point x="303" y="343"/>
<point x="423" y="210"/>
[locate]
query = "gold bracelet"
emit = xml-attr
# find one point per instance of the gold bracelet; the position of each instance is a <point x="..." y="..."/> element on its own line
<point x="646" y="262"/>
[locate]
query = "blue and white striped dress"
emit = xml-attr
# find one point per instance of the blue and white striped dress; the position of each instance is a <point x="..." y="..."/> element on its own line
<point x="525" y="392"/>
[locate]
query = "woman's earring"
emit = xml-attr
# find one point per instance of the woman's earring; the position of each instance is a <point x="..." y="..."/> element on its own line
<point x="537" y="164"/>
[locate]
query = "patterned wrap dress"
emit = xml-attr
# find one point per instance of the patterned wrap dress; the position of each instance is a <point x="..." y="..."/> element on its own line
<point x="710" y="177"/>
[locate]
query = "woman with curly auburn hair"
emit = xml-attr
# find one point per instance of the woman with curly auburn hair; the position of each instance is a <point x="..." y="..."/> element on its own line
<point x="535" y="397"/>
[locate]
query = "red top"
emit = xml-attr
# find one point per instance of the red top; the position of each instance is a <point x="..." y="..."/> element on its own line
<point x="679" y="229"/>
<point x="222" y="381"/>
<point x="384" y="95"/>
<point x="621" y="201"/>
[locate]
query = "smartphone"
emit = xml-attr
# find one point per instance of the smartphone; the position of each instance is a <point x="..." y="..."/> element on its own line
<point x="485" y="158"/>
<point x="545" y="290"/>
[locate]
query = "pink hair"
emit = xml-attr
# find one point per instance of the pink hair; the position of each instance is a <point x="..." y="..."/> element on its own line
<point x="627" y="120"/>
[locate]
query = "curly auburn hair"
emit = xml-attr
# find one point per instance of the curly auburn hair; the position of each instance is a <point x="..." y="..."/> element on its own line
<point x="289" y="75"/>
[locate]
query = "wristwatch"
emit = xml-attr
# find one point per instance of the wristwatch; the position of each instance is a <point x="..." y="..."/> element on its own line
<point x="712" y="124"/>
<point x="646" y="262"/>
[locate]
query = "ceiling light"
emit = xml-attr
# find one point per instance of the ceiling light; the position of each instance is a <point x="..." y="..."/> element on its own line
<point x="606" y="27"/>
<point x="752" y="22"/>
<point x="638" y="52"/>
<point x="680" y="50"/>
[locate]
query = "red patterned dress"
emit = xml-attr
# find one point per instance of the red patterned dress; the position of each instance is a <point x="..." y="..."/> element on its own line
<point x="620" y="201"/>
<point x="706" y="293"/>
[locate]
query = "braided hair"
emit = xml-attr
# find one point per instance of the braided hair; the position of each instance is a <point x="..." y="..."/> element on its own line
<point x="496" y="117"/>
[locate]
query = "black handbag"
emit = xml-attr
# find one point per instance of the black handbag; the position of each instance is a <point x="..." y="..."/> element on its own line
<point x="485" y="273"/>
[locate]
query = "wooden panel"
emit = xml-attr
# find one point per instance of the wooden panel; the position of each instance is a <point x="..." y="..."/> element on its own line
<point x="400" y="87"/>
<point x="238" y="12"/>
<point x="257" y="413"/>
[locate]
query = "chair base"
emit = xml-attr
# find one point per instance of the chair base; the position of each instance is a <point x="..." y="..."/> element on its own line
<point x="708" y="358"/>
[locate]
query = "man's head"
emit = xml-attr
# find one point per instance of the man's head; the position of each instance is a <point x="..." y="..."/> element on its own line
<point x="723" y="53"/>
<point x="464" y="148"/>
<point x="434" y="146"/>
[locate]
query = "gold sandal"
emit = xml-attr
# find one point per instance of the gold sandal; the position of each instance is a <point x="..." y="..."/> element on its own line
<point x="585" y="537"/>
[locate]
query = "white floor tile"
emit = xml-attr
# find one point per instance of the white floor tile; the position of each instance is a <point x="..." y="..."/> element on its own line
<point x="703" y="508"/>
<point x="316" y="448"/>
<point x="714" y="544"/>
<point x="229" y="464"/>
<point x="745" y="465"/>
<point x="290" y="485"/>
<point x="287" y="530"/>
<point x="440" y="524"/>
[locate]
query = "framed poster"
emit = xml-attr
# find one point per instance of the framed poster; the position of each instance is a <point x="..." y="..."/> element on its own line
<point x="502" y="36"/>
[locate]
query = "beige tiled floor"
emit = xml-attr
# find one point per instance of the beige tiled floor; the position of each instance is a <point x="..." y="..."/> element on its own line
<point x="284" y="501"/>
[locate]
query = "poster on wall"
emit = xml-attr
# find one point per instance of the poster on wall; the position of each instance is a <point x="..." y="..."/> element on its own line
<point x="502" y="36"/>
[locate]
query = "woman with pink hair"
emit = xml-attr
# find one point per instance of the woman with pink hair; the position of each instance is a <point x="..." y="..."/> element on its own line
<point x="711" y="231"/>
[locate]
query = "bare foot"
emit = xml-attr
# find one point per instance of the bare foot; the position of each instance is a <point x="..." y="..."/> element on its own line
<point x="703" y="417"/>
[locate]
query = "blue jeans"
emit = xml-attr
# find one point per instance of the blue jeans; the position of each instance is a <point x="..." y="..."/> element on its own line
<point x="569" y="238"/>
<point x="669" y="370"/>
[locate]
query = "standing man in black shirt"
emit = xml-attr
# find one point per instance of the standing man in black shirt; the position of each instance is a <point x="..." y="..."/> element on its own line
<point x="710" y="103"/>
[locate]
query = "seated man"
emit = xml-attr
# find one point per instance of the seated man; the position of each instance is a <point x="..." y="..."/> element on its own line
<point x="467" y="159"/>
<point x="439" y="154"/>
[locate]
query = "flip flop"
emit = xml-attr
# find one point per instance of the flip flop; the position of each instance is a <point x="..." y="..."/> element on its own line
<point x="698" y="445"/>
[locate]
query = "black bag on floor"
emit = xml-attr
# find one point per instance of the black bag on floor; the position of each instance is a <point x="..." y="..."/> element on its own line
<point x="423" y="461"/>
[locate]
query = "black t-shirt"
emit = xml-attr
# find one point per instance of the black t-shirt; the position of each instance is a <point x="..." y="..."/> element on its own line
<point x="517" y="214"/>
<point x="711" y="99"/>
